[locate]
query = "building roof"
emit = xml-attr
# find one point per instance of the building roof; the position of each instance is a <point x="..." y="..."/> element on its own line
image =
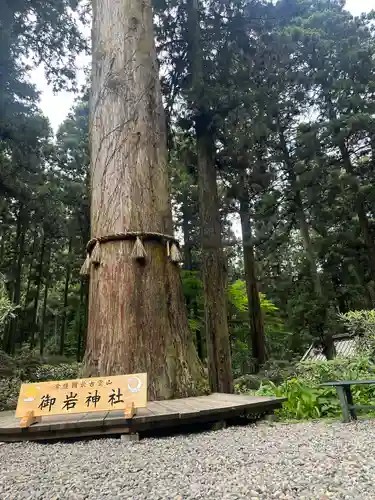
<point x="345" y="348"/>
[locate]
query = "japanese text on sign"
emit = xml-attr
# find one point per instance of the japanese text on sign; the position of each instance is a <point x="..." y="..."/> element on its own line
<point x="78" y="396"/>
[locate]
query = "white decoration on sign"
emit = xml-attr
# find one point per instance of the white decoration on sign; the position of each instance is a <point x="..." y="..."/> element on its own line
<point x="135" y="389"/>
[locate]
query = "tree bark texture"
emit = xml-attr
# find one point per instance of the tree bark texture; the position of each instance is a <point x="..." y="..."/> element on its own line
<point x="213" y="261"/>
<point x="34" y="325"/>
<point x="137" y="317"/>
<point x="321" y="315"/>
<point x="19" y="250"/>
<point x="45" y="298"/>
<point x="188" y="244"/>
<point x="30" y="272"/>
<point x="80" y="320"/>
<point x="214" y="272"/>
<point x="256" y="337"/>
<point x="64" y="319"/>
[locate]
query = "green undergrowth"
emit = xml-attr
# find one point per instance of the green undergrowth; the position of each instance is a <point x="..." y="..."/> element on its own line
<point x="29" y="367"/>
<point x="306" y="400"/>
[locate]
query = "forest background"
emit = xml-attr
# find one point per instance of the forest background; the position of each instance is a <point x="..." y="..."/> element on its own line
<point x="287" y="91"/>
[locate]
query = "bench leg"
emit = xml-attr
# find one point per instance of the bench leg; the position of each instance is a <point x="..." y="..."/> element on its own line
<point x="344" y="404"/>
<point x="349" y="398"/>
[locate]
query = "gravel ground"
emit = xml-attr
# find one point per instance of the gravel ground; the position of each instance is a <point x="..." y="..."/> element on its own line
<point x="283" y="461"/>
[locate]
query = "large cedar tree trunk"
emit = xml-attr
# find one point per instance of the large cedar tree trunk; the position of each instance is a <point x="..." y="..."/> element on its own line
<point x="137" y="317"/>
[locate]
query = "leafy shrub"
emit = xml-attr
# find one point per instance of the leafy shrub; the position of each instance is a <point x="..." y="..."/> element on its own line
<point x="305" y="399"/>
<point x="242" y="361"/>
<point x="361" y="324"/>
<point x="7" y="365"/>
<point x="278" y="340"/>
<point x="278" y="370"/>
<point x="316" y="372"/>
<point x="59" y="372"/>
<point x="9" y="390"/>
<point x="27" y="364"/>
<point x="27" y="367"/>
<point x="6" y="306"/>
<point x="273" y="371"/>
<point x="248" y="382"/>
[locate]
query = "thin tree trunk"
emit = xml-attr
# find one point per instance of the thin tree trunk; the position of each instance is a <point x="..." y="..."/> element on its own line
<point x="188" y="266"/>
<point x="256" y="336"/>
<point x="66" y="290"/>
<point x="56" y="328"/>
<point x="214" y="272"/>
<point x="213" y="262"/>
<point x="198" y="333"/>
<point x="86" y="314"/>
<point x="137" y="315"/>
<point x="45" y="298"/>
<point x="2" y="244"/>
<point x="188" y="261"/>
<point x="19" y="250"/>
<point x="34" y="326"/>
<point x="25" y="312"/>
<point x="307" y="243"/>
<point x="80" y="319"/>
<point x="29" y="274"/>
<point x="321" y="312"/>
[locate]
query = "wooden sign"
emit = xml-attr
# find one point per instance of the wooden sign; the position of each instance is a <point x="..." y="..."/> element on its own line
<point x="122" y="392"/>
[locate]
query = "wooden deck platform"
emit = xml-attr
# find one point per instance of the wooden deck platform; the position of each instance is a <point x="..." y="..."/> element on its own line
<point x="177" y="413"/>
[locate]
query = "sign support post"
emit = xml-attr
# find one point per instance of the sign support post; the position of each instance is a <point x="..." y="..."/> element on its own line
<point x="29" y="419"/>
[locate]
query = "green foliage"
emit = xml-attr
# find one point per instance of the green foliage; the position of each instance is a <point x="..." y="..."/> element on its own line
<point x="289" y="98"/>
<point x="277" y="338"/>
<point x="9" y="391"/>
<point x="6" y="306"/>
<point x="316" y="372"/>
<point x="238" y="320"/>
<point x="360" y="322"/>
<point x="275" y="371"/>
<point x="29" y="367"/>
<point x="305" y="400"/>
<point x="302" y="400"/>
<point x="63" y="371"/>
<point x="7" y="365"/>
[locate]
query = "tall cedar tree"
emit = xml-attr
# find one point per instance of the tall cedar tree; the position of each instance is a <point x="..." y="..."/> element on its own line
<point x="213" y="261"/>
<point x="137" y="317"/>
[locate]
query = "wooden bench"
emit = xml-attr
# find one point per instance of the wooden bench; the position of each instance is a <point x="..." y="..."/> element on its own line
<point x="344" y="393"/>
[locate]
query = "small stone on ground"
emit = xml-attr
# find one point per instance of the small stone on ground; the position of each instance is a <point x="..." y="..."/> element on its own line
<point x="285" y="461"/>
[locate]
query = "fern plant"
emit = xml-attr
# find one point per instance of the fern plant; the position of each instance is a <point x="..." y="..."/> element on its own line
<point x="7" y="308"/>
